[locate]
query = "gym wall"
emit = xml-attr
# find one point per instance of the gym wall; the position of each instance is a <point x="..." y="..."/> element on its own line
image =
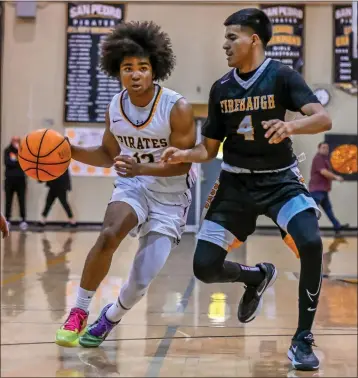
<point x="34" y="75"/>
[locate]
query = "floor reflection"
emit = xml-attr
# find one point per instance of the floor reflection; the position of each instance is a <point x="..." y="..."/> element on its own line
<point x="182" y="327"/>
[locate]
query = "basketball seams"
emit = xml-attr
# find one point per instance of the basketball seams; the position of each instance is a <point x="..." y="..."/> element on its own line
<point x="41" y="170"/>
<point x="64" y="139"/>
<point x="28" y="147"/>
<point x="30" y="161"/>
<point x="38" y="154"/>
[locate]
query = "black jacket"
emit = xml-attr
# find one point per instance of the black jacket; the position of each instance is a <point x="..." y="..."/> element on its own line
<point x="12" y="166"/>
<point x="62" y="183"/>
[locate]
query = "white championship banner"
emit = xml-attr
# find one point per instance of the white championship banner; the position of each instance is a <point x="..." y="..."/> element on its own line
<point x="87" y="137"/>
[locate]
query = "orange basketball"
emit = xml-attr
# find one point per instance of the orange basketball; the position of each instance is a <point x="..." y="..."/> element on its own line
<point x="44" y="154"/>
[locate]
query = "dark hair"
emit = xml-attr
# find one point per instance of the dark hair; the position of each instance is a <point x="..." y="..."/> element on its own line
<point x="321" y="143"/>
<point x="138" y="39"/>
<point x="255" y="19"/>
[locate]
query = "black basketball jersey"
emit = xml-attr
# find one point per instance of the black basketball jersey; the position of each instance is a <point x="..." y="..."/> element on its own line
<point x="237" y="108"/>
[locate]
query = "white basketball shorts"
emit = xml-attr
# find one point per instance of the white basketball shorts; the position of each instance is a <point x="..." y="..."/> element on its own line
<point x="165" y="213"/>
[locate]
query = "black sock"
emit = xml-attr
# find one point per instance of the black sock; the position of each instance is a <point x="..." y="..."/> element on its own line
<point x="304" y="230"/>
<point x="250" y="275"/>
<point x="210" y="266"/>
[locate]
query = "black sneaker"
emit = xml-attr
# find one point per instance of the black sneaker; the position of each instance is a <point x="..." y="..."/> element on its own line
<point x="301" y="354"/>
<point x="251" y="302"/>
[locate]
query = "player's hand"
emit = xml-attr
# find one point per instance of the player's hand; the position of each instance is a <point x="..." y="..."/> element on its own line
<point x="4" y="227"/>
<point x="173" y="155"/>
<point x="339" y="178"/>
<point x="126" y="166"/>
<point x="277" y="130"/>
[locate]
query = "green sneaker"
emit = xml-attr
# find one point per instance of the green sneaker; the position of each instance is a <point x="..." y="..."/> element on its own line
<point x="97" y="332"/>
<point x="74" y="326"/>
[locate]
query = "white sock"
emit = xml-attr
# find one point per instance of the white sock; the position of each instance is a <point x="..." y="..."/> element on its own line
<point x="116" y="311"/>
<point x="154" y="249"/>
<point x="84" y="298"/>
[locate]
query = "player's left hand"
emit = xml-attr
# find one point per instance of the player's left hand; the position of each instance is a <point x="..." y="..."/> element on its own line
<point x="126" y="166"/>
<point x="277" y="130"/>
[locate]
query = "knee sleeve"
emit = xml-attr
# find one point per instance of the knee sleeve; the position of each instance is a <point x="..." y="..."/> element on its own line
<point x="208" y="261"/>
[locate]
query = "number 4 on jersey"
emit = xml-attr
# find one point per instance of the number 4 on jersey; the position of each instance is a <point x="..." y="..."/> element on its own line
<point x="246" y="129"/>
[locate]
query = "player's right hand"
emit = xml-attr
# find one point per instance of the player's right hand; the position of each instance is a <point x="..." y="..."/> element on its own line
<point x="173" y="155"/>
<point x="4" y="227"/>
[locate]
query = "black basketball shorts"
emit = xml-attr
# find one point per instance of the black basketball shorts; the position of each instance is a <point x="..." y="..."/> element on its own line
<point x="236" y="201"/>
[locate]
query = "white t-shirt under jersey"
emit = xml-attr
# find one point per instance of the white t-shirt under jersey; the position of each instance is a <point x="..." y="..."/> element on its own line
<point x="143" y="133"/>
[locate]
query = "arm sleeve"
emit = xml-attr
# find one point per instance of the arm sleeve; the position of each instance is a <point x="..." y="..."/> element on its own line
<point x="296" y="93"/>
<point x="212" y="128"/>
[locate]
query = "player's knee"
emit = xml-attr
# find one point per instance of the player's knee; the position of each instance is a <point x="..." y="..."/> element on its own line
<point x="312" y="243"/>
<point x="109" y="240"/>
<point x="304" y="230"/>
<point x="204" y="272"/>
<point x="309" y="243"/>
<point x="208" y="261"/>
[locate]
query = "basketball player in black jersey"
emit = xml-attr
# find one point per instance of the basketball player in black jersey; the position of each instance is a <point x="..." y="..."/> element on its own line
<point x="259" y="173"/>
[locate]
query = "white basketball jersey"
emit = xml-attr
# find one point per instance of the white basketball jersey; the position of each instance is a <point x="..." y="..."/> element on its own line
<point x="143" y="133"/>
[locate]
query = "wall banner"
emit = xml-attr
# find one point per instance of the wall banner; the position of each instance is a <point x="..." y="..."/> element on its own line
<point x="287" y="41"/>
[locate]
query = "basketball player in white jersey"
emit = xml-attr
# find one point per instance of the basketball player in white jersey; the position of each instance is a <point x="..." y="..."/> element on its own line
<point x="150" y="198"/>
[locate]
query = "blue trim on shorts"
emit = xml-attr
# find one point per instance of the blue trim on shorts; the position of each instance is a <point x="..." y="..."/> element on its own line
<point x="294" y="206"/>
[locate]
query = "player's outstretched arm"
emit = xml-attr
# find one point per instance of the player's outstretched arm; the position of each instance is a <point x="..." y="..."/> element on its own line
<point x="297" y="96"/>
<point x="202" y="152"/>
<point x="317" y="120"/>
<point x="99" y="156"/>
<point x="213" y="136"/>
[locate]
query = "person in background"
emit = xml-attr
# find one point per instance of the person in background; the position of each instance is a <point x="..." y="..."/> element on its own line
<point x="15" y="182"/>
<point x="58" y="189"/>
<point x="4" y="227"/>
<point x="321" y="183"/>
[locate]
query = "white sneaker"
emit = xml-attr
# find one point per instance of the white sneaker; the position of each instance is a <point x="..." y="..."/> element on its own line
<point x="24" y="226"/>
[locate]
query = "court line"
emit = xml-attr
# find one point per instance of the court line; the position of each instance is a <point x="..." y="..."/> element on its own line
<point x="184" y="338"/>
<point x="163" y="347"/>
<point x="315" y="331"/>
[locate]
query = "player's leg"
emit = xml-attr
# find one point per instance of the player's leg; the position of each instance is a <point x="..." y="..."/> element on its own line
<point x="152" y="254"/>
<point x="304" y="230"/>
<point x="295" y="212"/>
<point x="230" y="219"/>
<point x="119" y="219"/>
<point x="127" y="209"/>
<point x="165" y="223"/>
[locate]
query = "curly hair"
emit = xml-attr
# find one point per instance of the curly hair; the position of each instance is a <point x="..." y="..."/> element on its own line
<point x="138" y="39"/>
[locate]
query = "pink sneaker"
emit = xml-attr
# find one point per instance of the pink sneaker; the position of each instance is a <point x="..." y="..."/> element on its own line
<point x="73" y="328"/>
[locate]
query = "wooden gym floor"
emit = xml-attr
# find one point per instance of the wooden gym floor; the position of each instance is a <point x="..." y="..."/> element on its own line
<point x="182" y="327"/>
